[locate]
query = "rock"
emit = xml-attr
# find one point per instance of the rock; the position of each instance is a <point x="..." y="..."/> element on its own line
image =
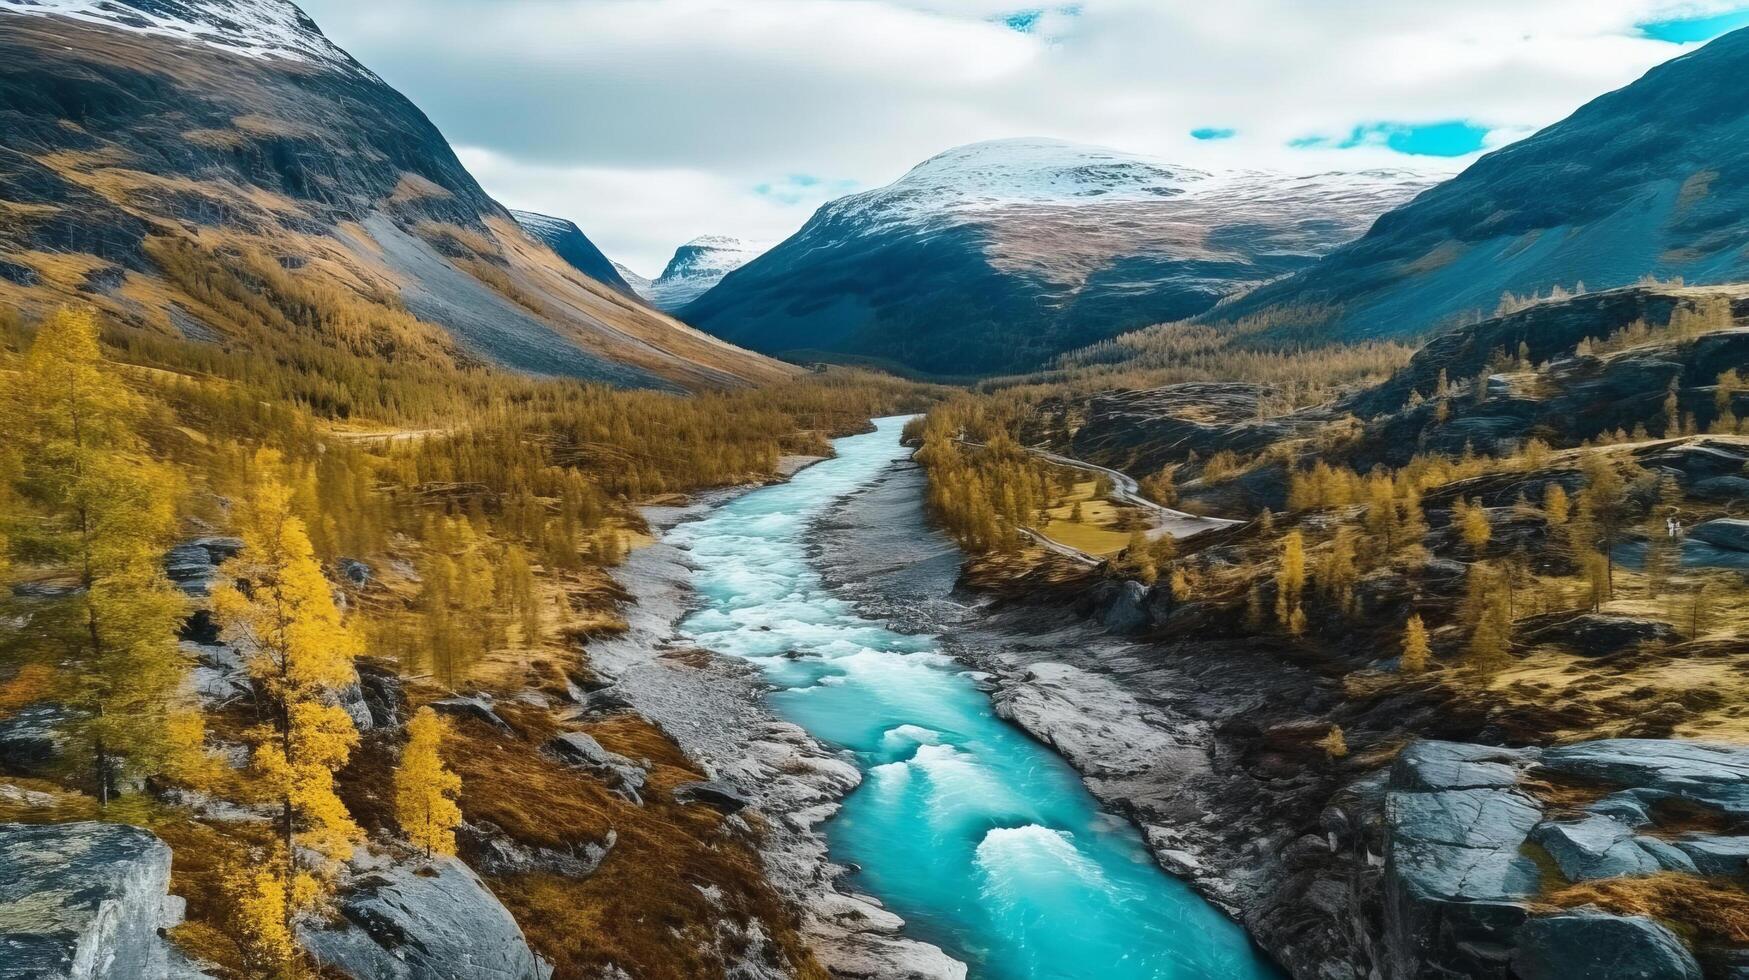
<point x="580" y="749"/>
<point x="1714" y="855"/>
<point x="1721" y="488"/>
<point x="355" y="572"/>
<point x="1429" y="766"/>
<point x="1591" y="945"/>
<point x="1594" y="847"/>
<point x="1124" y="610"/>
<point x="1598" y="634"/>
<point x="1725" y="532"/>
<point x="477" y="708"/>
<point x="190" y="568"/>
<point x="30" y="740"/>
<point x="432" y="920"/>
<point x="494" y="852"/>
<point x="713" y="793"/>
<point x="1456" y="879"/>
<point x="1669" y="858"/>
<point x="1713" y="775"/>
<point x="1630" y="806"/>
<point x="85" y="901"/>
<point x="380" y="687"/>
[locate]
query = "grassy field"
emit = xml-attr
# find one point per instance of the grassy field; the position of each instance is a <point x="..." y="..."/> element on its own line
<point x="1098" y="531"/>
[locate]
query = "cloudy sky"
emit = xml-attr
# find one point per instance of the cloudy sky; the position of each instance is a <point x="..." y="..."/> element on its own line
<point x="650" y="122"/>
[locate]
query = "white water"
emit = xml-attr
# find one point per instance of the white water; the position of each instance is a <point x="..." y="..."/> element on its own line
<point x="983" y="839"/>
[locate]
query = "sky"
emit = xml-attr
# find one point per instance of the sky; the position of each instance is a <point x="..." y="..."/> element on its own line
<point x="651" y="122"/>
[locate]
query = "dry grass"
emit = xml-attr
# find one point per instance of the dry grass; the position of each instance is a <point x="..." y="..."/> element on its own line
<point x="1096" y="533"/>
<point x="1704" y="908"/>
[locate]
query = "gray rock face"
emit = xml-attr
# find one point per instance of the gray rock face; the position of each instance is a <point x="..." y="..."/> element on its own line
<point x="1595" y="847"/>
<point x="1713" y="855"/>
<point x="30" y="740"/>
<point x="434" y="920"/>
<point x="712" y="792"/>
<point x="1725" y="532"/>
<point x="1589" y="945"/>
<point x="85" y="901"/>
<point x="580" y="749"/>
<point x="1712" y="775"/>
<point x="477" y="708"/>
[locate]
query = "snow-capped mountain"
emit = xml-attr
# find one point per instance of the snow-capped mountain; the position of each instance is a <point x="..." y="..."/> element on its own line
<point x="565" y="238"/>
<point x="253" y="28"/>
<point x="639" y="284"/>
<point x="995" y="256"/>
<point x="696" y="267"/>
<point x="140" y="132"/>
<point x="1651" y="179"/>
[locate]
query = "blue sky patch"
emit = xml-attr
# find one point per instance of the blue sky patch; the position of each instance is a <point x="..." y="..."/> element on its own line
<point x="1688" y="30"/>
<point x="1027" y="21"/>
<point x="1213" y="133"/>
<point x="796" y="188"/>
<point x="1453" y="138"/>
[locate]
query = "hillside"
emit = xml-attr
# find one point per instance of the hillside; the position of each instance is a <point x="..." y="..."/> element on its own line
<point x="992" y="257"/>
<point x="1648" y="180"/>
<point x="569" y="243"/>
<point x="179" y="165"/>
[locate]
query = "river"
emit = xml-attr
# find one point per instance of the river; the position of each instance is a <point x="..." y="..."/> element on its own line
<point x="983" y="839"/>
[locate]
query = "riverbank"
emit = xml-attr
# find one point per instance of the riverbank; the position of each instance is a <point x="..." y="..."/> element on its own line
<point x="714" y="707"/>
<point x="1161" y="738"/>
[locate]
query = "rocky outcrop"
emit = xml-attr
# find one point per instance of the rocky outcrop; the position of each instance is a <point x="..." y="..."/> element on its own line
<point x="86" y="901"/>
<point x="423" y="920"/>
<point x="1725" y="532"/>
<point x="1465" y="833"/>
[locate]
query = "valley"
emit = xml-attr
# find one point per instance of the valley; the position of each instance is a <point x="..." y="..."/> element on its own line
<point x="1054" y="562"/>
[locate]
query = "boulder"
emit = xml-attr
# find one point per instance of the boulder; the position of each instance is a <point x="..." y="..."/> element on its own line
<point x="1714" y="775"/>
<point x="31" y="740"/>
<point x="355" y="572"/>
<point x="1124" y="610"/>
<point x="581" y="749"/>
<point x="494" y="852"/>
<point x="1599" y="634"/>
<point x="1725" y="532"/>
<point x="1716" y="855"/>
<point x="477" y="708"/>
<point x="1594" y="847"/>
<point x="431" y="920"/>
<point x="86" y="901"/>
<point x="1669" y="857"/>
<point x="1428" y="766"/>
<point x="714" y="793"/>
<point x="1721" y="488"/>
<point x="1589" y="945"/>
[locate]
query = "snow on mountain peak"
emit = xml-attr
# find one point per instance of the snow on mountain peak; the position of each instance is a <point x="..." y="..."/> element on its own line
<point x="252" y="28"/>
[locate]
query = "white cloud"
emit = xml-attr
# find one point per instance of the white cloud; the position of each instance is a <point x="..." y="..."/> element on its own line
<point x="652" y="121"/>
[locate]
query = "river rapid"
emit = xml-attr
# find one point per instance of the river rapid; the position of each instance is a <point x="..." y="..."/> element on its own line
<point x="982" y="838"/>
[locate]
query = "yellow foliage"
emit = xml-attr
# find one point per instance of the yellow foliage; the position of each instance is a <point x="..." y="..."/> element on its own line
<point x="425" y="791"/>
<point x="1290" y="582"/>
<point x="1416" y="653"/>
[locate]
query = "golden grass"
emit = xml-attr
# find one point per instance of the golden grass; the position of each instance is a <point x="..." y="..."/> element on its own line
<point x="1704" y="908"/>
<point x="1096" y="532"/>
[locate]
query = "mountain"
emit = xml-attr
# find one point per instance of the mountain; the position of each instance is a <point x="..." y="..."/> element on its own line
<point x="995" y="256"/>
<point x="217" y="171"/>
<point x="1649" y="180"/>
<point x="696" y="267"/>
<point x="568" y="240"/>
<point x="639" y="284"/>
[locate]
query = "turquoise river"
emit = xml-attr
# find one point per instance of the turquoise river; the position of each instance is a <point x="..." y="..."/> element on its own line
<point x="983" y="839"/>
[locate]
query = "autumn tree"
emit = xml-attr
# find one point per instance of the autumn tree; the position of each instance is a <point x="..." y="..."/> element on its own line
<point x="1487" y="611"/>
<point x="425" y="790"/>
<point x="1334" y="744"/>
<point x="1555" y="504"/>
<point x="1472" y="524"/>
<point x="1336" y="573"/>
<point x="106" y="510"/>
<point x="524" y="595"/>
<point x="1417" y="655"/>
<point x="1290" y="581"/>
<point x="284" y="622"/>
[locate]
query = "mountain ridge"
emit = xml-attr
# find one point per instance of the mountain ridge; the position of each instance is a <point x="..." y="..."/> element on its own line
<point x="995" y="256"/>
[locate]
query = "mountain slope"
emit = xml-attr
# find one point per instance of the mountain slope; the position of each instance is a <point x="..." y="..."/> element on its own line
<point x="570" y="244"/>
<point x="696" y="267"/>
<point x="995" y="256"/>
<point x="1652" y="179"/>
<point x="201" y="169"/>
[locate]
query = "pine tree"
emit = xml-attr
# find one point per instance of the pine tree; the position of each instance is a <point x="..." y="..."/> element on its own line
<point x="1290" y="581"/>
<point x="1486" y="608"/>
<point x="285" y="624"/>
<point x="107" y="511"/>
<point x="425" y="791"/>
<point x="1417" y="655"/>
<point x="1473" y="525"/>
<point x="1336" y="573"/>
<point x="524" y="595"/>
<point x="1555" y="506"/>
